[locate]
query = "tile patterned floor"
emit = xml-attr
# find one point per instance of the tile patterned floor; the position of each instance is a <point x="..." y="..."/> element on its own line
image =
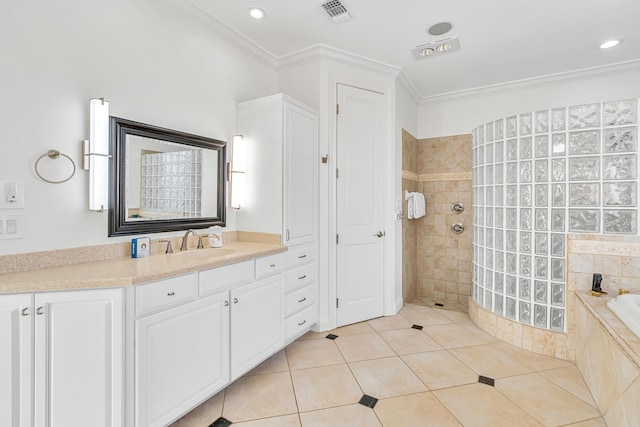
<point x="425" y="377"/>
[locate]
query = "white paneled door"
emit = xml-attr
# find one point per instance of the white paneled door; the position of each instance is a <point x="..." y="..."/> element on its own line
<point x="361" y="129"/>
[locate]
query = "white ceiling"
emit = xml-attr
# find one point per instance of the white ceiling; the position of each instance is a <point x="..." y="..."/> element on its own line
<point x="500" y="40"/>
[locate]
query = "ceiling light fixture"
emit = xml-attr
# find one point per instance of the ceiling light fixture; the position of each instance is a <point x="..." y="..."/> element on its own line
<point x="610" y="43"/>
<point x="436" y="48"/>
<point x="257" y="13"/>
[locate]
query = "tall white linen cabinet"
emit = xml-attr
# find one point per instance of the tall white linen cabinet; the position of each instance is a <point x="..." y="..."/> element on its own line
<point x="281" y="135"/>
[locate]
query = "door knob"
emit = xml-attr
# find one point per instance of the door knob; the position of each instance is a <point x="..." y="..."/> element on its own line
<point x="379" y="234"/>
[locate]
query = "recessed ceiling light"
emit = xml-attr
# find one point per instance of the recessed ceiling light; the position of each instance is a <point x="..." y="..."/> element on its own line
<point x="426" y="52"/>
<point x="443" y="47"/>
<point x="257" y="13"/>
<point x="610" y="43"/>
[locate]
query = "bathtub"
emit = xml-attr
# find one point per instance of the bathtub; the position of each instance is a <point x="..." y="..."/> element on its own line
<point x="627" y="308"/>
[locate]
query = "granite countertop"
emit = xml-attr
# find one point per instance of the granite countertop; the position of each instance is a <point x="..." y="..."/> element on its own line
<point x="131" y="271"/>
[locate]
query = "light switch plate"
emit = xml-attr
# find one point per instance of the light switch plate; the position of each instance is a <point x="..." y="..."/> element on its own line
<point x="11" y="226"/>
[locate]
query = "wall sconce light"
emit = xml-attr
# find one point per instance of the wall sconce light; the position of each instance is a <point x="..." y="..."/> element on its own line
<point x="95" y="154"/>
<point x="237" y="171"/>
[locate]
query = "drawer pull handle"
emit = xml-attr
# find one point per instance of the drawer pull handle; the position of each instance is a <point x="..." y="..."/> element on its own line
<point x="24" y="311"/>
<point x="272" y="265"/>
<point x="235" y="300"/>
<point x="302" y="256"/>
<point x="302" y="277"/>
<point x="302" y="323"/>
<point x="39" y="311"/>
<point x="170" y="294"/>
<point x="303" y="299"/>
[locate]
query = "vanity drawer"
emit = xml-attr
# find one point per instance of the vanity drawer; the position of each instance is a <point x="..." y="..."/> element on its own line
<point x="300" y="255"/>
<point x="299" y="277"/>
<point x="222" y="277"/>
<point x="300" y="322"/>
<point x="165" y="293"/>
<point x="300" y="299"/>
<point x="269" y="265"/>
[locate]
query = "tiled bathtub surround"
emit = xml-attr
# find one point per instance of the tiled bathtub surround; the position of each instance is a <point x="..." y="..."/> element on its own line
<point x="608" y="356"/>
<point x="537" y="176"/>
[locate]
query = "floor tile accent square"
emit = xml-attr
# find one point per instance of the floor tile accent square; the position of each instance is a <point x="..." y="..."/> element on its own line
<point x="221" y="422"/>
<point x="418" y="327"/>
<point x="368" y="401"/>
<point x="331" y="337"/>
<point x="487" y="381"/>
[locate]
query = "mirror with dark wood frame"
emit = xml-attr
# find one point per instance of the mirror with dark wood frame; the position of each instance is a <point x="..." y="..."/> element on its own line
<point x="163" y="180"/>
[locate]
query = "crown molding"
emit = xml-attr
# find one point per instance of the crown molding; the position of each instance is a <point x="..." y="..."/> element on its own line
<point x="228" y="34"/>
<point x="324" y="52"/>
<point x="539" y="81"/>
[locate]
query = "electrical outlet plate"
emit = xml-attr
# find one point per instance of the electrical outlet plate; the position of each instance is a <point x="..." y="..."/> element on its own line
<point x="11" y="195"/>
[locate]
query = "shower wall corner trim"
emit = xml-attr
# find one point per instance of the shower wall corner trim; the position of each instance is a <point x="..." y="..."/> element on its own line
<point x="536" y="177"/>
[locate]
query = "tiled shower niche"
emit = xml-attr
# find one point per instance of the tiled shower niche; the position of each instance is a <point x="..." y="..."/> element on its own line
<point x="536" y="177"/>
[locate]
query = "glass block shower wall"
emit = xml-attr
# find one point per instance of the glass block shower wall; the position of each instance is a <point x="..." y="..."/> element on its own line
<point x="536" y="177"/>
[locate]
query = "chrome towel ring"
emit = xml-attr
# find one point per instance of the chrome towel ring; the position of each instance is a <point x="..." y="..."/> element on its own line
<point x="54" y="154"/>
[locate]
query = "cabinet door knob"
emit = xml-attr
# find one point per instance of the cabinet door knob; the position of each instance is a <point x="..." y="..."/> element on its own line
<point x="170" y="294"/>
<point x="302" y="277"/>
<point x="302" y="323"/>
<point x="303" y="299"/>
<point x="39" y="311"/>
<point x="272" y="265"/>
<point x="235" y="300"/>
<point x="226" y="303"/>
<point x="24" y="311"/>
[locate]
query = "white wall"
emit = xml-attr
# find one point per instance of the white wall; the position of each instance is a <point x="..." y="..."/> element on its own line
<point x="151" y="61"/>
<point x="459" y="115"/>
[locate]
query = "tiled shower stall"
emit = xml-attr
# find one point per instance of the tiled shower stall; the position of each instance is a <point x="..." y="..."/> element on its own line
<point x="436" y="261"/>
<point x="537" y="177"/>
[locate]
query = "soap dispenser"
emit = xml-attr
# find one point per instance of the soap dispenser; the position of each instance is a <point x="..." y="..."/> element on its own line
<point x="215" y="236"/>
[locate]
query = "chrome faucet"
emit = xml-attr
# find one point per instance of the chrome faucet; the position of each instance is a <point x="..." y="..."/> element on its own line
<point x="185" y="239"/>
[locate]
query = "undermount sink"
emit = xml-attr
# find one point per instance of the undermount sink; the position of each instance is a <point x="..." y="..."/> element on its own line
<point x="204" y="253"/>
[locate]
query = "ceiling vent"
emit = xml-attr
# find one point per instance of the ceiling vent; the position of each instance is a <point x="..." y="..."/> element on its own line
<point x="436" y="48"/>
<point x="336" y="11"/>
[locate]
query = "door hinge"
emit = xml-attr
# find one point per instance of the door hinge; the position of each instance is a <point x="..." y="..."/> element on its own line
<point x="337" y="109"/>
<point x="337" y="174"/>
<point x="337" y="239"/>
<point x="337" y="303"/>
<point x="288" y="235"/>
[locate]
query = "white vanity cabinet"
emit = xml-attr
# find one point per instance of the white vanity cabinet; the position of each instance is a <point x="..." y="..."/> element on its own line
<point x="257" y="323"/>
<point x="181" y="357"/>
<point x="61" y="359"/>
